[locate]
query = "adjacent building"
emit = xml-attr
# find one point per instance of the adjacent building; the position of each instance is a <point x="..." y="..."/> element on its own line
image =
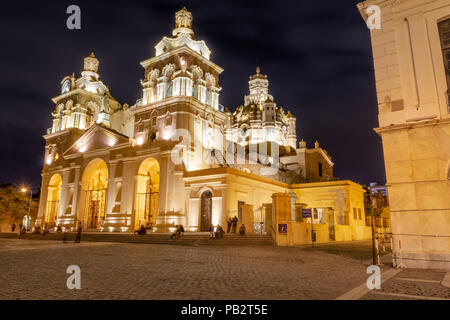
<point x="411" y="53"/>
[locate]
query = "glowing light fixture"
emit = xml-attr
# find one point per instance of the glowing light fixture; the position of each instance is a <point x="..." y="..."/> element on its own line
<point x="83" y="148"/>
<point x="167" y="133"/>
<point x="111" y="142"/>
<point x="140" y="141"/>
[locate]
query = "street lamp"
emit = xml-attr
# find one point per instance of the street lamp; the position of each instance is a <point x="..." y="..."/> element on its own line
<point x="373" y="204"/>
<point x="24" y="190"/>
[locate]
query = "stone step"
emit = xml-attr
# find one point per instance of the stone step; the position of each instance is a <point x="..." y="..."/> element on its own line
<point x="154" y="238"/>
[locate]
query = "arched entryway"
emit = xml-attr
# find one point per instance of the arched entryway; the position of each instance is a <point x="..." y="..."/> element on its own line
<point x="205" y="210"/>
<point x="147" y="193"/>
<point x="95" y="184"/>
<point x="53" y="200"/>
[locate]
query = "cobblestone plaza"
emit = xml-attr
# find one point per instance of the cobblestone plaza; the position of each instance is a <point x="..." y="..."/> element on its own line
<point x="37" y="270"/>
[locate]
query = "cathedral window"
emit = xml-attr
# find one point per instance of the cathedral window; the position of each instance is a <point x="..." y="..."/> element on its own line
<point x="444" y="34"/>
<point x="320" y="169"/>
<point x="168" y="121"/>
<point x="169" y="88"/>
<point x="195" y="90"/>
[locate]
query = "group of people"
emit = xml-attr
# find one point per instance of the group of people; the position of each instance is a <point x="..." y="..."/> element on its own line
<point x="178" y="232"/>
<point x="232" y="225"/>
<point x="46" y="230"/>
<point x="22" y="228"/>
<point x="216" y="232"/>
<point x="143" y="230"/>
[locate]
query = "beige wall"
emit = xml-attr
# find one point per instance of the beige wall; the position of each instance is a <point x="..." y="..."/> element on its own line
<point x="414" y="124"/>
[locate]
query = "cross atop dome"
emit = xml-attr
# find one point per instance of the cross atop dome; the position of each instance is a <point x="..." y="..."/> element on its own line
<point x="183" y="23"/>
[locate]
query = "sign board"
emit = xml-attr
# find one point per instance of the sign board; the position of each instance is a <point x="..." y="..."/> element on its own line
<point x="306" y="213"/>
<point x="282" y="228"/>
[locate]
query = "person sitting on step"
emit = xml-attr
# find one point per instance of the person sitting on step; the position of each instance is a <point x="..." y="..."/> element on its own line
<point x="242" y="230"/>
<point x="219" y="232"/>
<point x="176" y="234"/>
<point x="141" y="230"/>
<point x="212" y="234"/>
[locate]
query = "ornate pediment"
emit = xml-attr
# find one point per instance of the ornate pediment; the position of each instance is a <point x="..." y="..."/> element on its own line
<point x="96" y="139"/>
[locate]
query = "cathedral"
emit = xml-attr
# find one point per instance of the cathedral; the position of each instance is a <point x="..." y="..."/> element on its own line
<point x="177" y="156"/>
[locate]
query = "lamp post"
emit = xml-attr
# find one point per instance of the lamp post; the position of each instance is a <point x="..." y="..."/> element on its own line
<point x="373" y="204"/>
<point x="24" y="190"/>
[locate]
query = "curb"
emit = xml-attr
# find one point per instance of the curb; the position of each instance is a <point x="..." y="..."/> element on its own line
<point x="362" y="290"/>
<point x="446" y="281"/>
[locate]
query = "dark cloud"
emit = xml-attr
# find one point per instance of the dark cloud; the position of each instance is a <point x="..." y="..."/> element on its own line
<point x="316" y="53"/>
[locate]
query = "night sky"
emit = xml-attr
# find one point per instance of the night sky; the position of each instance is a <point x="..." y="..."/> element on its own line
<point x="316" y="54"/>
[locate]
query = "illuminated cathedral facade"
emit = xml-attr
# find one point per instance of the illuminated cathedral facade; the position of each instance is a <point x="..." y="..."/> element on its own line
<point x="177" y="156"/>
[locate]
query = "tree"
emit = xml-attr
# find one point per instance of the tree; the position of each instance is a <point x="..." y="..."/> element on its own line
<point x="380" y="199"/>
<point x="14" y="204"/>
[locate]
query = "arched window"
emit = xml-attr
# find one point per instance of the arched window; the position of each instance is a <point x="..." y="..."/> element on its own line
<point x="195" y="90"/>
<point x="169" y="88"/>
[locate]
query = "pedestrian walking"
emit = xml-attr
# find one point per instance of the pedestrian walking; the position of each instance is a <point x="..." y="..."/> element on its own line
<point x="78" y="236"/>
<point x="229" y="222"/>
<point x="13" y="227"/>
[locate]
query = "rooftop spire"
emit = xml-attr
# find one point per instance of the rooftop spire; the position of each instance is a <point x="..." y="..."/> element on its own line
<point x="183" y="23"/>
<point x="91" y="63"/>
<point x="91" y="66"/>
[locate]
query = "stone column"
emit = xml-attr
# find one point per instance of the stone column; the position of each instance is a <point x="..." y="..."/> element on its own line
<point x="64" y="193"/>
<point x="164" y="177"/>
<point x="187" y="196"/>
<point x="128" y="188"/>
<point x="110" y="193"/>
<point x="76" y="198"/>
<point x="43" y="198"/>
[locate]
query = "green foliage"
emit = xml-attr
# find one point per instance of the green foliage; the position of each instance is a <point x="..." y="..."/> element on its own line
<point x="14" y="204"/>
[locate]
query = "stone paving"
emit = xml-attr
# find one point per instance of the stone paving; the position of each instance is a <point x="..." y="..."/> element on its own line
<point x="37" y="270"/>
<point x="412" y="284"/>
